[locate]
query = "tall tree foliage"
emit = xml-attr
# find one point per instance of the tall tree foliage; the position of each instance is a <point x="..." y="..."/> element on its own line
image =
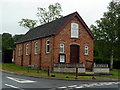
<point x="107" y="29"/>
<point x="44" y="16"/>
<point x="8" y="41"/>
<point x="28" y="23"/>
<point x="49" y="15"/>
<point x="17" y="37"/>
<point x="0" y="42"/>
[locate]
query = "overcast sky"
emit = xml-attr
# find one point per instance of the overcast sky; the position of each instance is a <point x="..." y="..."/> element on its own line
<point x="12" y="11"/>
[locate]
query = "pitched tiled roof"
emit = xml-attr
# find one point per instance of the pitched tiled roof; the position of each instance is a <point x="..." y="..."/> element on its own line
<point x="45" y="30"/>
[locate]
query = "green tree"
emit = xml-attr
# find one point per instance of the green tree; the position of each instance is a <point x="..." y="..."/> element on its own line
<point x="28" y="23"/>
<point x="107" y="29"/>
<point x="53" y="13"/>
<point x="17" y="37"/>
<point x="0" y="42"/>
<point x="7" y="41"/>
<point x="44" y="16"/>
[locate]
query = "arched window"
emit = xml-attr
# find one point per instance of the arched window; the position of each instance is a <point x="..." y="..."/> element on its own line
<point x="36" y="48"/>
<point x="48" y="46"/>
<point x="74" y="30"/>
<point x="61" y="48"/>
<point x="27" y="48"/>
<point x="86" y="50"/>
<point x="18" y="51"/>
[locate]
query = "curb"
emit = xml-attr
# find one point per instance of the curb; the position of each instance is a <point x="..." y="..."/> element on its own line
<point x="115" y="80"/>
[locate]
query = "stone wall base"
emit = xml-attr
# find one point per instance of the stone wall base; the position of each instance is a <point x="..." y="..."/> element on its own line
<point x="101" y="70"/>
<point x="80" y="70"/>
<point x="69" y="70"/>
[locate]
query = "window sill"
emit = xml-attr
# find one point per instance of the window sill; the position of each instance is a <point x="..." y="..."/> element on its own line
<point x="61" y="52"/>
<point x="62" y="62"/>
<point x="47" y="53"/>
<point x="74" y="38"/>
<point x="35" y="54"/>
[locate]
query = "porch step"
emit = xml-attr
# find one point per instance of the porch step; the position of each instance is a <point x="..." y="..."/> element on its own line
<point x="90" y="73"/>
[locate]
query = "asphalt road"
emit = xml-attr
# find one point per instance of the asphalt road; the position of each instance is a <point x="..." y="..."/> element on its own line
<point x="19" y="82"/>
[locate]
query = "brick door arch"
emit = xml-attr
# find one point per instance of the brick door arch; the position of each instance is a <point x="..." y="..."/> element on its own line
<point x="74" y="53"/>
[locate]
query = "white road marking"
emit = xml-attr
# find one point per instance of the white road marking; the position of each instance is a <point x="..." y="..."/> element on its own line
<point x="116" y="82"/>
<point x="91" y="85"/>
<point x="11" y="86"/>
<point x="72" y="86"/>
<point x="85" y="85"/>
<point x="80" y="87"/>
<point x="62" y="87"/>
<point x="99" y="84"/>
<point x="109" y="83"/>
<point x="21" y="80"/>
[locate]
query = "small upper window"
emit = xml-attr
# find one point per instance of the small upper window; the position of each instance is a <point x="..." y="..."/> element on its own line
<point x="18" y="51"/>
<point x="36" y="48"/>
<point x="74" y="30"/>
<point x="61" y="48"/>
<point x="48" y="46"/>
<point x="27" y="47"/>
<point x="86" y="50"/>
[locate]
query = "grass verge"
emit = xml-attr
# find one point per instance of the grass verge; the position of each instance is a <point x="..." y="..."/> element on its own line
<point x="115" y="74"/>
<point x="33" y="72"/>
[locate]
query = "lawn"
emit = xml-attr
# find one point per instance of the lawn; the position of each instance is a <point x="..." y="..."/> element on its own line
<point x="115" y="74"/>
<point x="33" y="72"/>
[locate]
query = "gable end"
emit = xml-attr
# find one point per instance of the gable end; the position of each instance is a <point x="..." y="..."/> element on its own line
<point x="81" y="20"/>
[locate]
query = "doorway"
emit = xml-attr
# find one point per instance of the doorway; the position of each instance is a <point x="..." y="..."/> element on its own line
<point x="74" y="54"/>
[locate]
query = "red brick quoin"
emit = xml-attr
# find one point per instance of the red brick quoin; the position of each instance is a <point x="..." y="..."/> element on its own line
<point x="57" y="32"/>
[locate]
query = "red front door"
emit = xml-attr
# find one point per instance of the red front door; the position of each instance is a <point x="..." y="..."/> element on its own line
<point x="74" y="54"/>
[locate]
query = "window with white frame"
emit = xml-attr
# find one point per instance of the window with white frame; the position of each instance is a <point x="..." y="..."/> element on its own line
<point x="48" y="46"/>
<point x="86" y="50"/>
<point x="27" y="48"/>
<point x="18" y="51"/>
<point x="74" y="30"/>
<point x="62" y="58"/>
<point x="36" y="48"/>
<point x="61" y="48"/>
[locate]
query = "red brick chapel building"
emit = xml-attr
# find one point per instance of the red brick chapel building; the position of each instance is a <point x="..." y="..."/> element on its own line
<point x="64" y="40"/>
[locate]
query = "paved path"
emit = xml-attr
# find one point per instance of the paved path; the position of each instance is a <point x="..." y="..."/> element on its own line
<point x="19" y="82"/>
